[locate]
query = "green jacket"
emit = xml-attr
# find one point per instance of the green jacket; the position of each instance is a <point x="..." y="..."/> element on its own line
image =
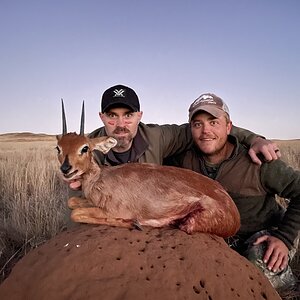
<point x="153" y="143"/>
<point x="253" y="189"/>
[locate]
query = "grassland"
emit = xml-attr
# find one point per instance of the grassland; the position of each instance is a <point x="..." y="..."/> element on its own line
<point x="290" y="151"/>
<point x="33" y="199"/>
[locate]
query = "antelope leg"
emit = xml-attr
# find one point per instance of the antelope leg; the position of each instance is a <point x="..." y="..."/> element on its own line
<point x="94" y="215"/>
<point x="76" y="202"/>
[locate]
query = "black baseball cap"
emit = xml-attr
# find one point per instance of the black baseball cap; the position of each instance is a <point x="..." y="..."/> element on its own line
<point x="120" y="95"/>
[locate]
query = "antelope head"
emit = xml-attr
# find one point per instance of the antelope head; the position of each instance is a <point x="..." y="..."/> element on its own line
<point x="75" y="152"/>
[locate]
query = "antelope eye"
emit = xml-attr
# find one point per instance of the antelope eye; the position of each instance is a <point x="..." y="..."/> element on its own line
<point x="58" y="150"/>
<point x="84" y="149"/>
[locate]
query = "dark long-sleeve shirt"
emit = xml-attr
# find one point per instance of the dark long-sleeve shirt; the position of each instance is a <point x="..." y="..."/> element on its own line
<point x="253" y="189"/>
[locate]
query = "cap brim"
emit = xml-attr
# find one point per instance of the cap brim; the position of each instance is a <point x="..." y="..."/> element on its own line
<point x="119" y="104"/>
<point x="214" y="111"/>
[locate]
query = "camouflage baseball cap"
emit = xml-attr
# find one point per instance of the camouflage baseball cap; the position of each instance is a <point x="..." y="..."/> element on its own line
<point x="210" y="103"/>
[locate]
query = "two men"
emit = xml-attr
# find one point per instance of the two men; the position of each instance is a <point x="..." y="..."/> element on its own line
<point x="268" y="233"/>
<point x="138" y="142"/>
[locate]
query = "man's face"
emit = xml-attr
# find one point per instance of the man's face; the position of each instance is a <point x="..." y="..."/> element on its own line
<point x="210" y="133"/>
<point x="122" y="124"/>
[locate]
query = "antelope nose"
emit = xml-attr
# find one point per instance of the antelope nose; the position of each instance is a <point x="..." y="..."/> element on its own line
<point x="65" y="168"/>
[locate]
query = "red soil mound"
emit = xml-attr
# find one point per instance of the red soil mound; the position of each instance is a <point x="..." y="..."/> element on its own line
<point x="99" y="262"/>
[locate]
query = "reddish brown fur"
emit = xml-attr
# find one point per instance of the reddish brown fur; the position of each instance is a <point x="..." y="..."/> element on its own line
<point x="146" y="193"/>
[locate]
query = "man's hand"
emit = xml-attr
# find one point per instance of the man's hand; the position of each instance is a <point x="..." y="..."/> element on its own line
<point x="276" y="255"/>
<point x="269" y="150"/>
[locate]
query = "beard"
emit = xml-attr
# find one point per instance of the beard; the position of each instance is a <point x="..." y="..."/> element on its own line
<point x="212" y="148"/>
<point x="216" y="151"/>
<point x="123" y="142"/>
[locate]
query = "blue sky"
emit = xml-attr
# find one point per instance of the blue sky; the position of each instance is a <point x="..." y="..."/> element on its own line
<point x="169" y="52"/>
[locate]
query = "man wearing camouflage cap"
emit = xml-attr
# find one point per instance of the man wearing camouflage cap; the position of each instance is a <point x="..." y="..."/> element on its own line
<point x="268" y="233"/>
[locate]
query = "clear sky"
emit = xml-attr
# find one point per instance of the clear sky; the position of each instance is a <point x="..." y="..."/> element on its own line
<point x="168" y="51"/>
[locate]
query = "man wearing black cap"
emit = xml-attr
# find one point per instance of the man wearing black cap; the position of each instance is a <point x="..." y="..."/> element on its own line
<point x="138" y="142"/>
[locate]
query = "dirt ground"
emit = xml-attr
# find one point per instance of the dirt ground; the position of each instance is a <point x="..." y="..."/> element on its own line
<point x="99" y="262"/>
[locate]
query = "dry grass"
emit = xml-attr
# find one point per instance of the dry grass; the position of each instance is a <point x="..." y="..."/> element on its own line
<point x="33" y="199"/>
<point x="290" y="151"/>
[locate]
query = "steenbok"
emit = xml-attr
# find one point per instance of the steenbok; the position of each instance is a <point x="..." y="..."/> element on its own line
<point x="135" y="194"/>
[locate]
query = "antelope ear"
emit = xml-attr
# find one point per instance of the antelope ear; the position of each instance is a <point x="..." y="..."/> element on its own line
<point x="104" y="144"/>
<point x="58" y="137"/>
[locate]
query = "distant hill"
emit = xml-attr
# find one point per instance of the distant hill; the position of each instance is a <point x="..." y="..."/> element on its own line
<point x="25" y="137"/>
<point x="29" y="135"/>
<point x="283" y="141"/>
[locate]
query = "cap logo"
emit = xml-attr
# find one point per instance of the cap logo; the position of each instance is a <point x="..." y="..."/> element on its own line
<point x="119" y="93"/>
<point x="204" y="99"/>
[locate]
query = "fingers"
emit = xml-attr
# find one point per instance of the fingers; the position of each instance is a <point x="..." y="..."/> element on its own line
<point x="276" y="150"/>
<point x="267" y="148"/>
<point x="278" y="153"/>
<point x="270" y="258"/>
<point x="254" y="157"/>
<point x="276" y="255"/>
<point x="261" y="239"/>
<point x="284" y="263"/>
<point x="273" y="150"/>
<point x="268" y="152"/>
<point x="275" y="259"/>
<point x="281" y="263"/>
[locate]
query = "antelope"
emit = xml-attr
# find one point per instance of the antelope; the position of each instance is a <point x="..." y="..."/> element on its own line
<point x="141" y="194"/>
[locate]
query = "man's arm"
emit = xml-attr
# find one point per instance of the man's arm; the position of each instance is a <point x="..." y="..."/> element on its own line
<point x="177" y="139"/>
<point x="173" y="139"/>
<point x="283" y="180"/>
<point x="257" y="144"/>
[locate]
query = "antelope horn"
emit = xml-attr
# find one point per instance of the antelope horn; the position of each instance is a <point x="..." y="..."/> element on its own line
<point x="82" y="120"/>
<point x="64" y="121"/>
